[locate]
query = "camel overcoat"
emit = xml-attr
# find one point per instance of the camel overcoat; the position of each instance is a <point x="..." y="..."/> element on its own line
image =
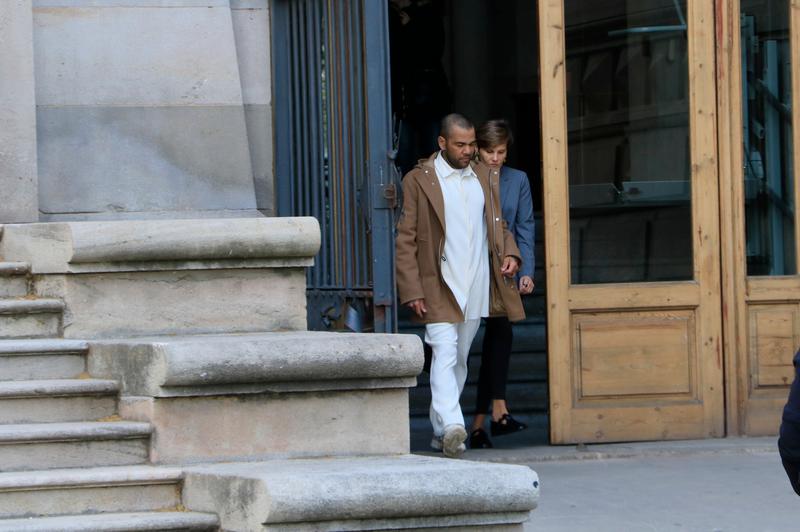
<point x="420" y="247"/>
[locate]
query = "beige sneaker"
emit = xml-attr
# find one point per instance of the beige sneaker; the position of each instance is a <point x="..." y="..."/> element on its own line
<point x="453" y="441"/>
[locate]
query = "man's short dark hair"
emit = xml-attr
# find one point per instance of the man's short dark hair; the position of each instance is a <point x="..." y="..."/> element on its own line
<point x="454" y="120"/>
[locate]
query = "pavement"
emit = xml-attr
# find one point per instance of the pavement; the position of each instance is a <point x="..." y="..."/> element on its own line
<point x="720" y="485"/>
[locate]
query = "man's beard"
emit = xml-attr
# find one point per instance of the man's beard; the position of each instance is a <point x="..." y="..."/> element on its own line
<point x="455" y="164"/>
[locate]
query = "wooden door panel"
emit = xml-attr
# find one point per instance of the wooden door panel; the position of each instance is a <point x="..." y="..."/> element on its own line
<point x="773" y="337"/>
<point x="641" y="423"/>
<point x="635" y="355"/>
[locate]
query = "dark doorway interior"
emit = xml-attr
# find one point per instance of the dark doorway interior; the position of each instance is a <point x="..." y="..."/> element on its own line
<point x="478" y="58"/>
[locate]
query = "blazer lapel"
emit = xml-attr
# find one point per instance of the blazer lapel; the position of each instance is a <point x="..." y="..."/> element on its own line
<point x="429" y="183"/>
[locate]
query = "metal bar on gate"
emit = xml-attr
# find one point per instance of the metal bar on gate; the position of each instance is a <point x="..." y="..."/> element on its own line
<point x="344" y="124"/>
<point x="301" y="149"/>
<point x="357" y="134"/>
<point x="294" y="62"/>
<point x="315" y="144"/>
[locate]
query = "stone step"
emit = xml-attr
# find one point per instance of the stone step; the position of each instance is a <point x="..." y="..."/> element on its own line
<point x="14" y="278"/>
<point x="30" y="318"/>
<point x="42" y="359"/>
<point x="56" y="400"/>
<point x="91" y="490"/>
<point x="364" y="493"/>
<point x="116" y="522"/>
<point x="28" y="446"/>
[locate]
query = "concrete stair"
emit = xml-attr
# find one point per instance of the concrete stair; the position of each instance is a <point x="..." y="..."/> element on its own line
<point x="117" y="522"/>
<point x="40" y="446"/>
<point x="42" y="359"/>
<point x="57" y="400"/>
<point x="14" y="279"/>
<point x="90" y="490"/>
<point x="67" y="459"/>
<point x="65" y="453"/>
<point x="198" y="401"/>
<point x="22" y="313"/>
<point x="29" y="317"/>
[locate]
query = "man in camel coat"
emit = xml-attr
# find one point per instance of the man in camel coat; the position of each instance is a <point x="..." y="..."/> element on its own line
<point x="456" y="263"/>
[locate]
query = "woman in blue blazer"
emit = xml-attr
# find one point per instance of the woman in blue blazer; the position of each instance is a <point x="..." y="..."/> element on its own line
<point x="494" y="138"/>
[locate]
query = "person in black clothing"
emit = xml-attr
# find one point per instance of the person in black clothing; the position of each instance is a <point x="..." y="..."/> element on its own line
<point x="789" y="440"/>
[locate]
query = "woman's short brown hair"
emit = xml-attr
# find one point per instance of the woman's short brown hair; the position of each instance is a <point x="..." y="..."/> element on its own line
<point x="494" y="133"/>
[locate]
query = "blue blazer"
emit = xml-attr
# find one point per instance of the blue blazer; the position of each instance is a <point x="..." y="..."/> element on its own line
<point x="515" y="199"/>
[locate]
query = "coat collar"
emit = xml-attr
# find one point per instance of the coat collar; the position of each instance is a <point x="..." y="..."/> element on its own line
<point x="429" y="184"/>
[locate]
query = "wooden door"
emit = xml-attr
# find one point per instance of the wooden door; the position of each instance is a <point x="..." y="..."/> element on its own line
<point x="631" y="219"/>
<point x="759" y="194"/>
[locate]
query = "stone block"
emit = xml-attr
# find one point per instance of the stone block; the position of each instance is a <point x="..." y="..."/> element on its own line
<point x="257" y="363"/>
<point x="155" y="245"/>
<point x="105" y="161"/>
<point x="266" y="426"/>
<point x="57" y="400"/>
<point x="140" y="110"/>
<point x="42" y="359"/>
<point x="150" y="277"/>
<point x="247" y="396"/>
<point x="39" y="446"/>
<point x="117" y="522"/>
<point x="30" y="318"/>
<point x="369" y="493"/>
<point x="136" y="54"/>
<point x="179" y="302"/>
<point x="13" y="279"/>
<point x="89" y="490"/>
<point x="13" y="286"/>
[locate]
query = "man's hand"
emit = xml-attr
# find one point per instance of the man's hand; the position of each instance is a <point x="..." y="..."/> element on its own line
<point x="510" y="266"/>
<point x="525" y="285"/>
<point x="418" y="306"/>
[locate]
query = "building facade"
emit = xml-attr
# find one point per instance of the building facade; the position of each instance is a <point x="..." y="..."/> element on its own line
<point x="657" y="134"/>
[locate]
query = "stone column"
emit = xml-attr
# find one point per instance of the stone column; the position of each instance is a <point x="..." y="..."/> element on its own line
<point x="251" y="30"/>
<point x="18" y="175"/>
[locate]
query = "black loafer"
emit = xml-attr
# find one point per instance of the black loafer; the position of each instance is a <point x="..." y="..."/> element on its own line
<point x="507" y="425"/>
<point x="478" y="439"/>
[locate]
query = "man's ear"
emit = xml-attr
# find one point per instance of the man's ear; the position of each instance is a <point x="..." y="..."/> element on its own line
<point x="442" y="142"/>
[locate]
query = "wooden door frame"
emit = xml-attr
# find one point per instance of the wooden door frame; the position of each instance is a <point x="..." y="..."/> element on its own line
<point x="737" y="288"/>
<point x="705" y="195"/>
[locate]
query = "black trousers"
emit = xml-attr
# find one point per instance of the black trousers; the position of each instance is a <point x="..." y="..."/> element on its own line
<point x="497" y="338"/>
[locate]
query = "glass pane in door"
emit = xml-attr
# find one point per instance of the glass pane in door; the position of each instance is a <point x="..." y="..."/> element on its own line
<point x="767" y="136"/>
<point x="629" y="155"/>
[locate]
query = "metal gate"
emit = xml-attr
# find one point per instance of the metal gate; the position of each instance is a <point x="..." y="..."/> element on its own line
<point x="333" y="157"/>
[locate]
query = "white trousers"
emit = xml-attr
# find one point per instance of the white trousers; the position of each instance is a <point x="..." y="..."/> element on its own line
<point x="450" y="343"/>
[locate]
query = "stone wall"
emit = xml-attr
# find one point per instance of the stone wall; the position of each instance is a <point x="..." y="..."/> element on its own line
<point x="149" y="109"/>
<point x="17" y="114"/>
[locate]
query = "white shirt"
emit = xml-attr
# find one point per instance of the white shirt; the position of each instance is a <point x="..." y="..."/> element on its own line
<point x="465" y="263"/>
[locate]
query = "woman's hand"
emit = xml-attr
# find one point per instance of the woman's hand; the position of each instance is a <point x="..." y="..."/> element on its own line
<point x="525" y="285"/>
<point x="510" y="266"/>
